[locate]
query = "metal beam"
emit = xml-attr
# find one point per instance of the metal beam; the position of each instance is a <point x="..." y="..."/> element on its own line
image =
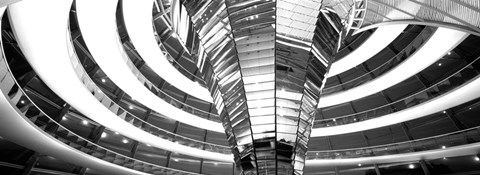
<point x="203" y="147"/>
<point x="377" y="169"/>
<point x="406" y="131"/>
<point x="424" y="167"/>
<point x="27" y="78"/>
<point x="30" y="163"/>
<point x="96" y="134"/>
<point x="82" y="171"/>
<point x="169" y="154"/>
<point x="389" y="100"/>
<point x="134" y="149"/>
<point x="120" y="94"/>
<point x="451" y="115"/>
<point x="364" y="65"/>
<point x="53" y="127"/>
<point x="422" y="80"/>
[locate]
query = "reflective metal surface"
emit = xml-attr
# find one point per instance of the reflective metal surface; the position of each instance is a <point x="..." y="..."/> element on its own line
<point x="267" y="61"/>
<point x="461" y="15"/>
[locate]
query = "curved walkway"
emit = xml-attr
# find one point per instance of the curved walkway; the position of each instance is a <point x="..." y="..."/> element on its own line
<point x="381" y="38"/>
<point x="455" y="97"/>
<point x="99" y="30"/>
<point x="441" y="42"/>
<point x="20" y="130"/>
<point x="462" y="150"/>
<point x="138" y="19"/>
<point x="47" y="52"/>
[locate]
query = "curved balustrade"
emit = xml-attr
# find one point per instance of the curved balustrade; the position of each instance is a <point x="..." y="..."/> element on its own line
<point x="180" y="68"/>
<point x="358" y="41"/>
<point x="165" y="96"/>
<point x="196" y="78"/>
<point x="131" y="118"/>
<point x="406" y="52"/>
<point x="18" y="96"/>
<point x="467" y="136"/>
<point x="460" y="77"/>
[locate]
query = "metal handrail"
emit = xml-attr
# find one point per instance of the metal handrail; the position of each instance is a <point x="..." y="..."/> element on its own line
<point x="334" y="121"/>
<point x="420" y="36"/>
<point x="170" y="58"/>
<point x="359" y="152"/>
<point x="125" y="114"/>
<point x="22" y="99"/>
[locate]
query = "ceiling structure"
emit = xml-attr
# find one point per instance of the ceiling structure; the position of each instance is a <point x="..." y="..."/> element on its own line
<point x="240" y="87"/>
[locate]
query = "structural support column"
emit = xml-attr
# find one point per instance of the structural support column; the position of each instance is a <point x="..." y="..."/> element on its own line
<point x="268" y="61"/>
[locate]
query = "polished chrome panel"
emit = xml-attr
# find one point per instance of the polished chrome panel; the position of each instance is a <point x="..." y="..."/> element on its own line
<point x="269" y="59"/>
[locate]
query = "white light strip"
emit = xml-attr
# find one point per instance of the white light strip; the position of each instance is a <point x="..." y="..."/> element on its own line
<point x="451" y="99"/>
<point x="47" y="52"/>
<point x="442" y="41"/>
<point x="138" y="18"/>
<point x="17" y="128"/>
<point x="382" y="37"/>
<point x="462" y="150"/>
<point x="97" y="24"/>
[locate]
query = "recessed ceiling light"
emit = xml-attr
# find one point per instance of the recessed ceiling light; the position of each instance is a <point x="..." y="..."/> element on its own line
<point x="411" y="166"/>
<point x="84" y="122"/>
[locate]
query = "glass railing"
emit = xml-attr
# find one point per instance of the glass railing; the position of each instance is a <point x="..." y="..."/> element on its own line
<point x="178" y="66"/>
<point x="460" y="77"/>
<point x="357" y="42"/>
<point x="467" y="136"/>
<point x="410" y="49"/>
<point x="133" y="119"/>
<point x="163" y="95"/>
<point x="12" y="90"/>
<point x="166" y="97"/>
<point x="128" y="46"/>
